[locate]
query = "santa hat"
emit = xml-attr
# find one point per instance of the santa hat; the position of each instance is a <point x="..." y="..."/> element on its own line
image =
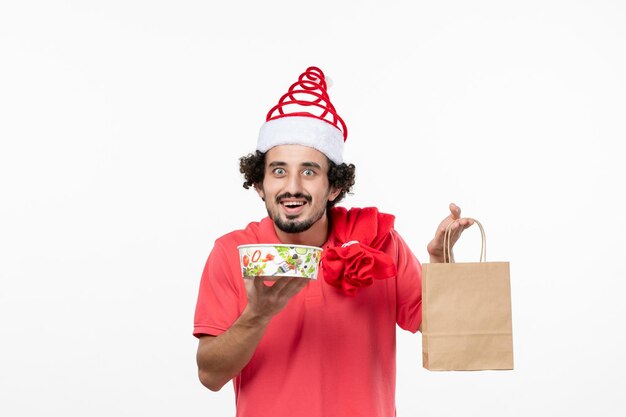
<point x="305" y="116"/>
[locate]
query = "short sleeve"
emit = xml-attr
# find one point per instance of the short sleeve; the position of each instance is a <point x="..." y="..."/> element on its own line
<point x="220" y="294"/>
<point x="408" y="287"/>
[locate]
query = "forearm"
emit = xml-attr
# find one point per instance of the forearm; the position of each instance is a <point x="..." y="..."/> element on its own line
<point x="223" y="357"/>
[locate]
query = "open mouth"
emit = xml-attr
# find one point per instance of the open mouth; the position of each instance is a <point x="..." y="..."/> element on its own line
<point x="293" y="206"/>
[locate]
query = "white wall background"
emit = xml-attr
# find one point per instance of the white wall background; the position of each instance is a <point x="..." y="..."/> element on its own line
<point x="121" y="123"/>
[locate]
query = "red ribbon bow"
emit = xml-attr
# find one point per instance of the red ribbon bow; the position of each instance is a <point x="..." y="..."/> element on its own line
<point x="359" y="261"/>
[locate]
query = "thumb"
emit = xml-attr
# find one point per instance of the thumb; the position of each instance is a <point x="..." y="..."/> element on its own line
<point x="455" y="211"/>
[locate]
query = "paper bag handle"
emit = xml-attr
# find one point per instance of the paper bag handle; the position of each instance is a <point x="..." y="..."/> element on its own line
<point x="447" y="250"/>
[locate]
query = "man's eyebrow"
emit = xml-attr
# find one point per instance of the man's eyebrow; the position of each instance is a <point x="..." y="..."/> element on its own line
<point x="311" y="165"/>
<point x="277" y="164"/>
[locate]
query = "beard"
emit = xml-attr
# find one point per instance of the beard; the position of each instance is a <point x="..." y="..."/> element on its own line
<point x="291" y="224"/>
<point x="294" y="226"/>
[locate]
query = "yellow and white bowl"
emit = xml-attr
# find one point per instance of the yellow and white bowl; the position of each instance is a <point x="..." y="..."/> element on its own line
<point x="277" y="260"/>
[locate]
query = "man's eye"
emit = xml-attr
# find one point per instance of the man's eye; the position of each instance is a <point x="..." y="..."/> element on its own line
<point x="308" y="172"/>
<point x="279" y="171"/>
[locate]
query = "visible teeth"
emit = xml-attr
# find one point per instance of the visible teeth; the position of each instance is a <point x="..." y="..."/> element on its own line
<point x="294" y="203"/>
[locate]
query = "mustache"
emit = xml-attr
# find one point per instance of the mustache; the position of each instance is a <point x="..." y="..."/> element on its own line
<point x="308" y="198"/>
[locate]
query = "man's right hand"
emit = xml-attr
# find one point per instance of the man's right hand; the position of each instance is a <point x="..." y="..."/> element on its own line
<point x="265" y="301"/>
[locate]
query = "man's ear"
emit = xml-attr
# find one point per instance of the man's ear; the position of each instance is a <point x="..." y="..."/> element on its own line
<point x="334" y="192"/>
<point x="259" y="190"/>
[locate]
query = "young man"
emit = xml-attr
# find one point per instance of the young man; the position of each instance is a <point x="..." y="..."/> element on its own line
<point x="302" y="347"/>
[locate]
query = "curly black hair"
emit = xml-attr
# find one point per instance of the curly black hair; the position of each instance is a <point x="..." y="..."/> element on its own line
<point x="341" y="176"/>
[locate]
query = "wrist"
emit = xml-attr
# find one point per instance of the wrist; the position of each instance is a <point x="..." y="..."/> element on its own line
<point x="250" y="317"/>
<point x="438" y="259"/>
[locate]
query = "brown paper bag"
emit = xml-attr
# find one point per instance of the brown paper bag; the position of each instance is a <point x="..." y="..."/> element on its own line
<point x="466" y="314"/>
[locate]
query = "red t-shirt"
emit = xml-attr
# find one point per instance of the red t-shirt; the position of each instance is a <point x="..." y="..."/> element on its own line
<point x="326" y="354"/>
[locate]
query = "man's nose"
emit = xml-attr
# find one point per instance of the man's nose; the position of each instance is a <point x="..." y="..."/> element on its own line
<point x="294" y="183"/>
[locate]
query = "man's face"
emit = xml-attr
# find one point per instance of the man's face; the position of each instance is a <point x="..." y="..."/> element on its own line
<point x="295" y="187"/>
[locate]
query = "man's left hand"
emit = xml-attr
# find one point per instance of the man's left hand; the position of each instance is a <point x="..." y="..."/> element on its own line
<point x="435" y="247"/>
